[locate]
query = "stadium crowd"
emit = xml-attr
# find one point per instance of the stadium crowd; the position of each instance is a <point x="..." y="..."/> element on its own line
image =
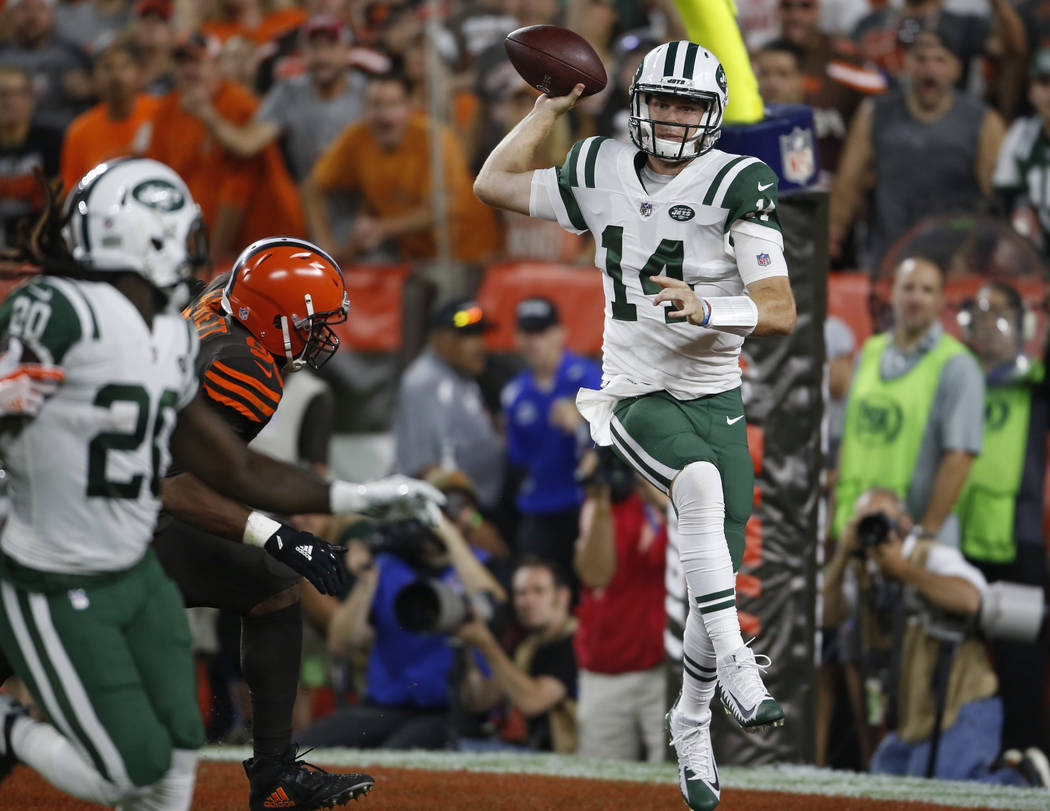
<point x="360" y="124"/>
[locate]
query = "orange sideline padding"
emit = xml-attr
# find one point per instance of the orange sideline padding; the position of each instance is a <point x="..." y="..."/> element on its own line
<point x="575" y="290"/>
<point x="374" y="323"/>
<point x="848" y="294"/>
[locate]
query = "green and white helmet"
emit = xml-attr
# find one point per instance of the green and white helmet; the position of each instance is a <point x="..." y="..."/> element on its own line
<point x="136" y="215"/>
<point x="679" y="68"/>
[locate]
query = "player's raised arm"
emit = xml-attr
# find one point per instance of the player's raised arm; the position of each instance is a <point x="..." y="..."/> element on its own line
<point x="505" y="179"/>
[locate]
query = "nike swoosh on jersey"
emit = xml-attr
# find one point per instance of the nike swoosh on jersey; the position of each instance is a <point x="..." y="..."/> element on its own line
<point x="264" y="370"/>
<point x="763" y="188"/>
<point x="735" y="420"/>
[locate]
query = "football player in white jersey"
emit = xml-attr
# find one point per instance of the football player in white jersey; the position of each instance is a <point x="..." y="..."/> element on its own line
<point x="690" y="247"/>
<point x="98" y="392"/>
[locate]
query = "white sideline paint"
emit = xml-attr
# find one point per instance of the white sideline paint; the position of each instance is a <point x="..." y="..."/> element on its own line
<point x="788" y="778"/>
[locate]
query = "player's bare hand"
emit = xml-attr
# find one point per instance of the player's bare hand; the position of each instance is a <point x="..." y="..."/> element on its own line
<point x="559" y="104"/>
<point x="689" y="306"/>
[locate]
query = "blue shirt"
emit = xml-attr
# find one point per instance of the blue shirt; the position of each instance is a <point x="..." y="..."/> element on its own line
<point x="405" y="668"/>
<point x="548" y="454"/>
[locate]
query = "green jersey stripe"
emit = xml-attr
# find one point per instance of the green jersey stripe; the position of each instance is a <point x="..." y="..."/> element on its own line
<point x="574" y="157"/>
<point x="691" y="52"/>
<point x="669" y="58"/>
<point x="568" y="199"/>
<point x="712" y="190"/>
<point x="71" y="291"/>
<point x="592" y="160"/>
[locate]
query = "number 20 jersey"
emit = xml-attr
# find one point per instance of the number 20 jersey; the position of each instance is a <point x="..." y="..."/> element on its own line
<point x="681" y="229"/>
<point x="84" y="474"/>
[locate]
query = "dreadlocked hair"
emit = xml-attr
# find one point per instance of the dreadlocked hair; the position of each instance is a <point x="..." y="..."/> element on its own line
<point x="41" y="243"/>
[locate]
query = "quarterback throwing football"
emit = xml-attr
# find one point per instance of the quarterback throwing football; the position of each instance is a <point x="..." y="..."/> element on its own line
<point x="690" y="247"/>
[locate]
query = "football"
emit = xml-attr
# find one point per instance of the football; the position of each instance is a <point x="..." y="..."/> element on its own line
<point x="554" y="59"/>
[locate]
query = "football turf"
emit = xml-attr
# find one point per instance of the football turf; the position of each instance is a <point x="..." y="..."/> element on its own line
<point x="482" y="781"/>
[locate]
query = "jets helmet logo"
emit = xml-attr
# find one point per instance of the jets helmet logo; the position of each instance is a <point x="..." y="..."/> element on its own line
<point x="720" y="77"/>
<point x="159" y="194"/>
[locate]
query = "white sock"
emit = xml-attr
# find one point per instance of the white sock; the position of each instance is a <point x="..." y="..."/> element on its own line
<point x="174" y="791"/>
<point x="704" y="552"/>
<point x="45" y="750"/>
<point x="698" y="668"/>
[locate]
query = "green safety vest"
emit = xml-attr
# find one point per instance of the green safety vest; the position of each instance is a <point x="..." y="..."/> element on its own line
<point x="989" y="497"/>
<point x="885" y="423"/>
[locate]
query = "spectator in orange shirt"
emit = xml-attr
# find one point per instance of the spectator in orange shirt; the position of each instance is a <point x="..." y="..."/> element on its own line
<point x="120" y="124"/>
<point x="385" y="160"/>
<point x="256" y="20"/>
<point x="241" y="199"/>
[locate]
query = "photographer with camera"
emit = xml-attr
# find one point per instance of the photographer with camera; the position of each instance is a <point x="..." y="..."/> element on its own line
<point x="538" y="679"/>
<point x="417" y="586"/>
<point x="916" y="609"/>
<point x="1001" y="505"/>
<point x="620" y="560"/>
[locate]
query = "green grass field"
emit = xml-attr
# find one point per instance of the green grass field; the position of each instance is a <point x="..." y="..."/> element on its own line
<point x="793" y="779"/>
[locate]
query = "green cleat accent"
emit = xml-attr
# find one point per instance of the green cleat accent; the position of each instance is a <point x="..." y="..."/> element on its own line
<point x="744" y="696"/>
<point x="697" y="773"/>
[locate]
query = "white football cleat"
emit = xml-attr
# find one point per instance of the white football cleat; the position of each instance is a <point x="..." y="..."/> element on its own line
<point x="697" y="773"/>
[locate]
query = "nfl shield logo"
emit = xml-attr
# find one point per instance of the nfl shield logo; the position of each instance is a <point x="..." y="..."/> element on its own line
<point x="797" y="159"/>
<point x="646" y="208"/>
<point x="243" y="313"/>
<point x="763" y="259"/>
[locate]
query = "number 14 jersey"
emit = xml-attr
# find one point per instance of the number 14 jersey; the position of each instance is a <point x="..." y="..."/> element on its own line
<point x="683" y="229"/>
<point x="84" y="474"/>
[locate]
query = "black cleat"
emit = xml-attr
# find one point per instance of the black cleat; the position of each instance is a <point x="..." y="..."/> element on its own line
<point x="291" y="782"/>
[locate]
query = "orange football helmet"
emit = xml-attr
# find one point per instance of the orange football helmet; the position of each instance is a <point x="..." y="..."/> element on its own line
<point x="287" y="293"/>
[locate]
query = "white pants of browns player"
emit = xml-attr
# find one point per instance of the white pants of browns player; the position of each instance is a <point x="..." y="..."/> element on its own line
<point x="620" y="716"/>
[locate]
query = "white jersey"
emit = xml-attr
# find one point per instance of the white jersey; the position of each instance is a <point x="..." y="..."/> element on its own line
<point x="681" y="229"/>
<point x="85" y="472"/>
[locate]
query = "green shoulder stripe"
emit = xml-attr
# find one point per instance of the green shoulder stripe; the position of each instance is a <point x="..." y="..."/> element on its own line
<point x="568" y="169"/>
<point x="592" y="160"/>
<point x="752" y="196"/>
<point x="43" y="318"/>
<point x="712" y="190"/>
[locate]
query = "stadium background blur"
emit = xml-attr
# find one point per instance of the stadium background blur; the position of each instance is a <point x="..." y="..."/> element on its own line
<point x="359" y="124"/>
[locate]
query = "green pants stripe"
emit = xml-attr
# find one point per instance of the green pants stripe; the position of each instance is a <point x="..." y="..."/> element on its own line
<point x="659" y="435"/>
<point x="36" y="633"/>
<point x="110" y="661"/>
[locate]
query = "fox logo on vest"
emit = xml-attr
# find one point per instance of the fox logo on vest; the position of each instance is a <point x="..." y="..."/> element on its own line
<point x="879" y="419"/>
<point x="996" y="413"/>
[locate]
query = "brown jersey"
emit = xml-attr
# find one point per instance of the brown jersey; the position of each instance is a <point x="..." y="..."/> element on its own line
<point x="239" y="377"/>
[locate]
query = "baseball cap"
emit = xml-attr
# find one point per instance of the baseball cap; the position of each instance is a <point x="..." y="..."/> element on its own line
<point x="159" y="8"/>
<point x="536" y="314"/>
<point x="463" y="315"/>
<point x="327" y="24"/>
<point x="945" y="39"/>
<point x="1040" y="63"/>
<point x="195" y="45"/>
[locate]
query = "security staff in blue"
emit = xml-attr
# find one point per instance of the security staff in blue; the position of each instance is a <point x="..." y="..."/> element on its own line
<point x="1001" y="505"/>
<point x="543" y="430"/>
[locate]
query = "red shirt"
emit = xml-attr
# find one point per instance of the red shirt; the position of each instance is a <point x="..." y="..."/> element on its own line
<point x="621" y="626"/>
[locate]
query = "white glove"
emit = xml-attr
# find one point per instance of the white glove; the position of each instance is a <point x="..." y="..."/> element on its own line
<point x="23" y="392"/>
<point x="391" y="498"/>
